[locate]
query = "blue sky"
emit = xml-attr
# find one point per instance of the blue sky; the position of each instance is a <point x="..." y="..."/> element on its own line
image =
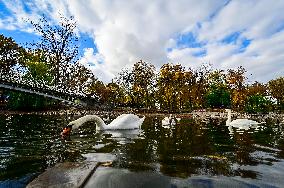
<point x="115" y="34"/>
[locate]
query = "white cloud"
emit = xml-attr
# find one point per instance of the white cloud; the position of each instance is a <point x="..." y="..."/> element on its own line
<point x="257" y="18"/>
<point x="127" y="31"/>
<point x="186" y="57"/>
<point x="94" y="62"/>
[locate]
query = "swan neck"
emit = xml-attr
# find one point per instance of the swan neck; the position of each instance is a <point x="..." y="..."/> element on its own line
<point x="100" y="124"/>
<point x="229" y="116"/>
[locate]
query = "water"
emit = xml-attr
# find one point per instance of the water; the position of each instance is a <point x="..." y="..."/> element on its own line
<point x="192" y="153"/>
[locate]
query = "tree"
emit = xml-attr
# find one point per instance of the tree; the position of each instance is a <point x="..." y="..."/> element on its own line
<point x="200" y="86"/>
<point x="276" y="88"/>
<point x="80" y="79"/>
<point x="171" y="88"/>
<point x="218" y="95"/>
<point x="257" y="98"/>
<point x="115" y="95"/>
<point x="139" y="84"/>
<point x="218" y="98"/>
<point x="236" y="81"/>
<point x="37" y="71"/>
<point x="257" y="88"/>
<point x="186" y="99"/>
<point x="167" y="90"/>
<point x="143" y="85"/>
<point x="217" y="78"/>
<point x="11" y="54"/>
<point x="98" y="89"/>
<point x="60" y="45"/>
<point x="180" y="89"/>
<point x="125" y="80"/>
<point x="257" y="104"/>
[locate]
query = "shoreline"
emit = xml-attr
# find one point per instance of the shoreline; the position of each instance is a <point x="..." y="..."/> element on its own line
<point x="199" y="114"/>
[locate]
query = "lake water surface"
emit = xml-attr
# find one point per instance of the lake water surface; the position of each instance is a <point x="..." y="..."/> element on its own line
<point x="192" y="153"/>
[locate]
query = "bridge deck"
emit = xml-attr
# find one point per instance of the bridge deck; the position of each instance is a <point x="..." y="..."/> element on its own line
<point x="33" y="92"/>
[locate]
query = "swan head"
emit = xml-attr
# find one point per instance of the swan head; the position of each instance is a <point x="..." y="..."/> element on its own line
<point x="66" y="132"/>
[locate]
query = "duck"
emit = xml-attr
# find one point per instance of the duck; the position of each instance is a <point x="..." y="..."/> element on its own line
<point x="122" y="122"/>
<point x="240" y="123"/>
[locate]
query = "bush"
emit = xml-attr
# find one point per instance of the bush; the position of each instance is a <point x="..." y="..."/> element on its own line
<point x="257" y="104"/>
<point x="218" y="98"/>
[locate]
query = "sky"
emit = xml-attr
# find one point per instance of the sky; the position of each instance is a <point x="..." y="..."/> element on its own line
<point x="114" y="34"/>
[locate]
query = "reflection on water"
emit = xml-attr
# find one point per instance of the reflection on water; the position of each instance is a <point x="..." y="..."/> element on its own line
<point x="189" y="152"/>
<point x="244" y="128"/>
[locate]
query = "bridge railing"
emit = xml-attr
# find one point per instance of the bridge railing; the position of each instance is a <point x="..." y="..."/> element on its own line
<point x="15" y="79"/>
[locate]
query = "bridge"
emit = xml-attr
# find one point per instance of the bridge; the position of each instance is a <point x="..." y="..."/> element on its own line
<point x="46" y="91"/>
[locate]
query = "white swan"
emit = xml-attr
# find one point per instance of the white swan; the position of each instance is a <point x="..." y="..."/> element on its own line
<point x="124" y="121"/>
<point x="240" y="123"/>
<point x="166" y="121"/>
<point x="170" y="120"/>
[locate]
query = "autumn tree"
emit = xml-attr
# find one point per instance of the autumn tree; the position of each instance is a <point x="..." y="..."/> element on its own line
<point x="109" y="95"/>
<point x="79" y="79"/>
<point x="257" y="88"/>
<point x="186" y="98"/>
<point x="236" y="81"/>
<point x="139" y="84"/>
<point x="276" y="88"/>
<point x="217" y="78"/>
<point x="200" y="86"/>
<point x="99" y="90"/>
<point x="143" y="85"/>
<point x="257" y="100"/>
<point x="115" y="94"/>
<point x="170" y="84"/>
<point x="60" y="46"/>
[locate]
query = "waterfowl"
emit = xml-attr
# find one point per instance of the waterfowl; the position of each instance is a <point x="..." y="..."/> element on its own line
<point x="239" y="123"/>
<point x="124" y="121"/>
